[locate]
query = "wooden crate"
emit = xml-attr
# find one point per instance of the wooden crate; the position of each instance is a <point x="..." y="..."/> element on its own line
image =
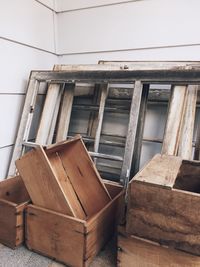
<point x="138" y="252"/>
<point x="69" y="240"/>
<point x="63" y="178"/>
<point x="164" y="203"/>
<point x="13" y="200"/>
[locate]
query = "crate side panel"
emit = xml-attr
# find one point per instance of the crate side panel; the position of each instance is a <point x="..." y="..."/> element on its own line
<point x="66" y="185"/>
<point x="14" y="190"/>
<point x="55" y="235"/>
<point x="101" y="227"/>
<point x="87" y="184"/>
<point x="170" y="217"/>
<point x="41" y="182"/>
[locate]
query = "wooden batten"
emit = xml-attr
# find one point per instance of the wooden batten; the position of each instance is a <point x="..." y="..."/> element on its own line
<point x="63" y="178"/>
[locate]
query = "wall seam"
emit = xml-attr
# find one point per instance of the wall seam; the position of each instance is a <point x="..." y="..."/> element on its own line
<point x="98" y="6"/>
<point x="6" y="146"/>
<point x="27" y="45"/>
<point x="128" y="49"/>
<point x="48" y="7"/>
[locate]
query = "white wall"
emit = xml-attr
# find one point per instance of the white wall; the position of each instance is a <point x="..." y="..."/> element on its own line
<point x="36" y="34"/>
<point x="132" y="30"/>
<point x="89" y="31"/>
<point x="27" y="41"/>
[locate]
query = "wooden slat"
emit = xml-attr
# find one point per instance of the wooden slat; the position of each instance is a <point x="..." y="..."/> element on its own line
<point x="131" y="134"/>
<point x="65" y="113"/>
<point x="104" y="93"/>
<point x="185" y="143"/>
<point x="47" y="114"/>
<point x="85" y="179"/>
<point x="25" y="122"/>
<point x="50" y="112"/>
<point x="134" y="65"/>
<point x="137" y="252"/>
<point x="174" y="120"/>
<point x="174" y="76"/>
<point x="66" y="185"/>
<point x="140" y="130"/>
<point x="55" y="116"/>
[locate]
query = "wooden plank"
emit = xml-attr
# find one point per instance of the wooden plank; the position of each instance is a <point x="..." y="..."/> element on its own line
<point x="137" y="252"/>
<point x="84" y="177"/>
<point x="65" y="113"/>
<point x="151" y="65"/>
<point x="41" y="182"/>
<point x="162" y="170"/>
<point x="140" y="130"/>
<point x="25" y="122"/>
<point x="66" y="184"/>
<point x="133" y="65"/>
<point x="174" y="121"/>
<point x="176" y="225"/>
<point x="185" y="143"/>
<point x="55" y="116"/>
<point x="131" y="134"/>
<point x="55" y="235"/>
<point x="174" y="76"/>
<point x="104" y="93"/>
<point x="47" y="114"/>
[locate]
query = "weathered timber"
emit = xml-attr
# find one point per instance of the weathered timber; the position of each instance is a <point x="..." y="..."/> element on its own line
<point x="48" y="231"/>
<point x="137" y="252"/>
<point x="63" y="178"/>
<point x="163" y="203"/>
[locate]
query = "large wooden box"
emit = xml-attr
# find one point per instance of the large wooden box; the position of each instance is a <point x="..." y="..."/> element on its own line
<point x="164" y="203"/>
<point x="138" y="252"/>
<point x="63" y="178"/>
<point x="13" y="200"/>
<point x="69" y="240"/>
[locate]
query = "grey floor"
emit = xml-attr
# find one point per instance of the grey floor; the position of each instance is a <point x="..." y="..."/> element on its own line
<point x="22" y="257"/>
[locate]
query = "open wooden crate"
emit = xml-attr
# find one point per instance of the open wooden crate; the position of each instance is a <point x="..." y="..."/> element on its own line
<point x="13" y="200"/>
<point x="138" y="252"/>
<point x="164" y="203"/>
<point x="69" y="240"/>
<point x="63" y="178"/>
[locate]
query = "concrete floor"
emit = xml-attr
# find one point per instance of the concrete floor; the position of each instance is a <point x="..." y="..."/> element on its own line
<point x="22" y="257"/>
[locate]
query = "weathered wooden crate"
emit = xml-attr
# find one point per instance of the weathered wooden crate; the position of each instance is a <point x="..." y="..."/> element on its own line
<point x="13" y="200"/>
<point x="137" y="252"/>
<point x="63" y="178"/>
<point x="69" y="240"/>
<point x="164" y="203"/>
